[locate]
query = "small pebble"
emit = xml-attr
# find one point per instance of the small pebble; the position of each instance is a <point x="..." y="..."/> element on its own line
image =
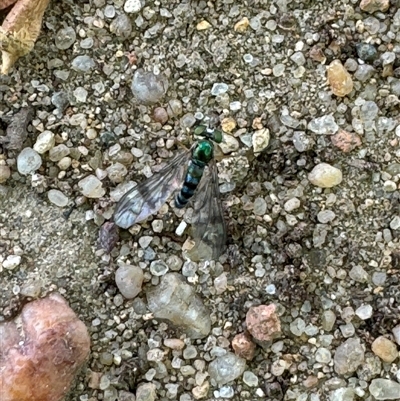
<point x="371" y="6"/>
<point x="65" y="38"/>
<point x="348" y="356"/>
<point x="190" y="352"/>
<point x="11" y="262"/>
<point x="242" y="25"/>
<point x="226" y="368"/>
<point x="83" y="64"/>
<point x="129" y="280"/>
<point x="385" y="349"/>
<point x="346" y="141"/>
<point x="121" y="26"/>
<point x="147" y="87"/>
<point x="219" y="89"/>
<point x="80" y="94"/>
<point x="260" y="206"/>
<point x="146" y="392"/>
<point x="58" y="152"/>
<point x="364" y="312"/>
<point x="366" y="51"/>
<point x="158" y="268"/>
<point x="28" y="161"/>
<point x="203" y="25"/>
<point x="324" y="175"/>
<point x="326" y="216"/>
<point x="229" y="144"/>
<point x="339" y="79"/>
<point x="342" y="394"/>
<point x="250" y="379"/>
<point x="395" y="223"/>
<point x="44" y="142"/>
<point x="396" y="333"/>
<point x="323" y="355"/>
<point x="292" y="204"/>
<point x="384" y="389"/>
<point x="324" y="125"/>
<point x="260" y="140"/>
<point x="263" y="322"/>
<point x="57" y="198"/>
<point x="132" y="6"/>
<point x="91" y="187"/>
<point x="5" y="173"/>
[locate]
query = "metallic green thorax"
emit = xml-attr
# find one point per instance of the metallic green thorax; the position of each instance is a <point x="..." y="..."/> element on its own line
<point x="204" y="151"/>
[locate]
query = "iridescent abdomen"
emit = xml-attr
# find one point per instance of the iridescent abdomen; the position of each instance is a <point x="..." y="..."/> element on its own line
<point x="202" y="155"/>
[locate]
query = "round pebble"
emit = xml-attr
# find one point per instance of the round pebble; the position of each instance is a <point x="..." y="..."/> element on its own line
<point x="28" y="161"/>
<point x="57" y="198"/>
<point x="129" y="280"/>
<point x="158" y="268"/>
<point x="324" y="175"/>
<point x="385" y="349"/>
<point x="11" y="262"/>
<point x="325" y="216"/>
<point x="292" y="204"/>
<point x="250" y="379"/>
<point x="65" y="38"/>
<point x="147" y="87"/>
<point x="83" y="64"/>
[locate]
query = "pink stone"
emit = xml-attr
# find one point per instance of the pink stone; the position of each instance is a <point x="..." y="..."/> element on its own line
<point x="263" y="323"/>
<point x="41" y="351"/>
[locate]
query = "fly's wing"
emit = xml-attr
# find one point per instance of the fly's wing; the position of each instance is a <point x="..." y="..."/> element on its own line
<point x="208" y="224"/>
<point x="148" y="196"/>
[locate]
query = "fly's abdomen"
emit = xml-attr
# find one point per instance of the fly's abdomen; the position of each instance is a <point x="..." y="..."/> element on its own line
<point x="192" y="180"/>
<point x="201" y="156"/>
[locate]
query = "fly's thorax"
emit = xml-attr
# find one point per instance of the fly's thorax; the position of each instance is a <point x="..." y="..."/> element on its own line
<point x="204" y="151"/>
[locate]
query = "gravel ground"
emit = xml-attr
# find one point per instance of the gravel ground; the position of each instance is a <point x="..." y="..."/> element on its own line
<point x="304" y="248"/>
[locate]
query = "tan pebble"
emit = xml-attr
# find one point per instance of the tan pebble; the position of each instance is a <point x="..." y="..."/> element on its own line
<point x="5" y="173"/>
<point x="257" y="123"/>
<point x="310" y="382"/>
<point x="346" y="141"/>
<point x="385" y="349"/>
<point x="200" y="392"/>
<point x="339" y="79"/>
<point x="203" y="25"/>
<point x="228" y="124"/>
<point x="387" y="71"/>
<point x="242" y="25"/>
<point x="174" y="343"/>
<point x="94" y="380"/>
<point x="370" y="6"/>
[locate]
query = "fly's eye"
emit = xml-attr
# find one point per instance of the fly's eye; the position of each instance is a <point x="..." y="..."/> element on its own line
<point x="217" y="136"/>
<point x="200" y="129"/>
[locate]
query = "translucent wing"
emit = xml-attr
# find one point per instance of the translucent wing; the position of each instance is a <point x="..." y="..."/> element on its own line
<point x="148" y="196"/>
<point x="208" y="224"/>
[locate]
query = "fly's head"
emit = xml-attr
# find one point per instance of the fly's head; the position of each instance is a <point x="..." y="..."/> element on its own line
<point x="208" y="133"/>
